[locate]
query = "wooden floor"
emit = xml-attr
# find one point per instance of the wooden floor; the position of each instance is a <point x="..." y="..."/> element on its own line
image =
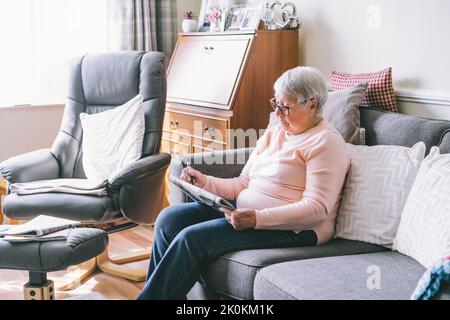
<point x="109" y="287"/>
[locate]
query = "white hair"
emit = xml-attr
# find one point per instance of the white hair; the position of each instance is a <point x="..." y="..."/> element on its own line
<point x="303" y="83"/>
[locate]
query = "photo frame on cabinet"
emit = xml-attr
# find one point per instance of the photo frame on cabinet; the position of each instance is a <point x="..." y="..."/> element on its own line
<point x="252" y="18"/>
<point x="243" y="17"/>
<point x="235" y="17"/>
<point x="208" y="6"/>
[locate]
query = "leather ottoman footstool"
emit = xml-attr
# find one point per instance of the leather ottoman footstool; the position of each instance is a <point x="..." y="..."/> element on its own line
<point x="40" y="257"/>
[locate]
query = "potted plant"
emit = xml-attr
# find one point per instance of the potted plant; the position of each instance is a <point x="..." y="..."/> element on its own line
<point x="189" y="22"/>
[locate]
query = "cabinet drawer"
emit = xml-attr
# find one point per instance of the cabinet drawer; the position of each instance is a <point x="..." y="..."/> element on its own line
<point x="214" y="129"/>
<point x="205" y="145"/>
<point x="174" y="146"/>
<point x="196" y="61"/>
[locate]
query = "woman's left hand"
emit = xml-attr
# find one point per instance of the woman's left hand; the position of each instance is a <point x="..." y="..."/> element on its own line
<point x="241" y="219"/>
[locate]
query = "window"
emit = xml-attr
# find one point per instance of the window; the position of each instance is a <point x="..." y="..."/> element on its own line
<point x="38" y="40"/>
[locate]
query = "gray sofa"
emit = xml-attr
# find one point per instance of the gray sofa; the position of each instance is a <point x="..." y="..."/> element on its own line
<point x="339" y="269"/>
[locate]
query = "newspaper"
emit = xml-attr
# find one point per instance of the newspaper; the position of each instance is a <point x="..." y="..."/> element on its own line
<point x="202" y="196"/>
<point x="95" y="187"/>
<point x="41" y="228"/>
<point x="58" y="235"/>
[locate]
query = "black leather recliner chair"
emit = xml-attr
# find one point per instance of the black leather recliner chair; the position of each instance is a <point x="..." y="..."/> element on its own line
<point x="99" y="82"/>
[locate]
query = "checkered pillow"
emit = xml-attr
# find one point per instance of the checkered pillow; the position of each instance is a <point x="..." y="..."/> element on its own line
<point x="380" y="92"/>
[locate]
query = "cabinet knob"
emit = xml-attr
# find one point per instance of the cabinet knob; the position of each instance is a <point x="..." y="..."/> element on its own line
<point x="209" y="131"/>
<point x="208" y="50"/>
<point x="173" y="124"/>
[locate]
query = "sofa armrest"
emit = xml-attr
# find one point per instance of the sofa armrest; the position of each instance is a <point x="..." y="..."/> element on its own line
<point x="222" y="164"/>
<point x="138" y="169"/>
<point x="37" y="165"/>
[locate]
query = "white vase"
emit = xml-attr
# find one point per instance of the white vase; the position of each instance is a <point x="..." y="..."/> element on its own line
<point x="189" y="25"/>
<point x="215" y="26"/>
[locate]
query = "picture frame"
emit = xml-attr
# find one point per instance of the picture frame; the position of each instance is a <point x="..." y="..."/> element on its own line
<point x="252" y="18"/>
<point x="235" y="17"/>
<point x="207" y="7"/>
<point x="243" y="17"/>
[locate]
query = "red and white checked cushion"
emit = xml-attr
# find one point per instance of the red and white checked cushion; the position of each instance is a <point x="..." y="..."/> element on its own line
<point x="380" y="92"/>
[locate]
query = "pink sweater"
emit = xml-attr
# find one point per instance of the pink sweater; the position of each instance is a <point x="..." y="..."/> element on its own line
<point x="293" y="182"/>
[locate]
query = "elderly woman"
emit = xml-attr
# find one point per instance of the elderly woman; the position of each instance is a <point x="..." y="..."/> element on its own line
<point x="287" y="195"/>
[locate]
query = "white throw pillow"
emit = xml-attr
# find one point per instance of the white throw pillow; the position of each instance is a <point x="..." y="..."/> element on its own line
<point x="424" y="231"/>
<point x="112" y="139"/>
<point x="375" y="191"/>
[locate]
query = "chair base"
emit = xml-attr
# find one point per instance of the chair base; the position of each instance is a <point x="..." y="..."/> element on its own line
<point x="39" y="288"/>
<point x="79" y="274"/>
<point x="105" y="264"/>
<point x="137" y="255"/>
<point x="111" y="266"/>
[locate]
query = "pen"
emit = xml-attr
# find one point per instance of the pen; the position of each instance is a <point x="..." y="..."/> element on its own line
<point x="188" y="165"/>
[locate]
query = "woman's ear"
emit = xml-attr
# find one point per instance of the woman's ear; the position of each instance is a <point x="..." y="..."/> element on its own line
<point x="313" y="106"/>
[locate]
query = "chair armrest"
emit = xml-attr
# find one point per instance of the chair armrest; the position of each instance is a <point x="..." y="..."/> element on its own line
<point x="37" y="165"/>
<point x="138" y="191"/>
<point x="222" y="164"/>
<point x="138" y="169"/>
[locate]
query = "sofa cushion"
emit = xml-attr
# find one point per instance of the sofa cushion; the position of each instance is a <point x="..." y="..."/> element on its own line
<point x="444" y="145"/>
<point x="424" y="231"/>
<point x="380" y="92"/>
<point x="342" y="111"/>
<point x="343" y="277"/>
<point x="375" y="191"/>
<point x="388" y="128"/>
<point x="233" y="274"/>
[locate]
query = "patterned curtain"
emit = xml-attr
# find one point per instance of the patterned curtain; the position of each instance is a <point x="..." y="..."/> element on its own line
<point x="148" y="25"/>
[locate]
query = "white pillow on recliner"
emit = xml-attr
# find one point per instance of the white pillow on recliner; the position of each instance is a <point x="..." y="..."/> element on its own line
<point x="113" y="138"/>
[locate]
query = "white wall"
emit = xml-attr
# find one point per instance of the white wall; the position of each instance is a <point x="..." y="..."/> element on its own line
<point x="24" y="129"/>
<point x="411" y="36"/>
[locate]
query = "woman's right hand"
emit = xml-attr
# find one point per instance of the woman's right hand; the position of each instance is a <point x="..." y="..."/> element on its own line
<point x="187" y="174"/>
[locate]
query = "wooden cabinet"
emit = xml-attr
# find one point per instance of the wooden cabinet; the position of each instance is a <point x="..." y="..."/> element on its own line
<point x="220" y="82"/>
<point x="205" y="69"/>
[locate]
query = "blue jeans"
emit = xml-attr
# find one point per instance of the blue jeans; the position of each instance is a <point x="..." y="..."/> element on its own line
<point x="189" y="236"/>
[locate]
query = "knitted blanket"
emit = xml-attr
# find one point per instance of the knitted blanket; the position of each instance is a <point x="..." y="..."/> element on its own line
<point x="432" y="279"/>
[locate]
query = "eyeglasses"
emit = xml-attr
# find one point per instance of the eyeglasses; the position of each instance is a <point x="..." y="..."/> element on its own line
<point x="285" y="109"/>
